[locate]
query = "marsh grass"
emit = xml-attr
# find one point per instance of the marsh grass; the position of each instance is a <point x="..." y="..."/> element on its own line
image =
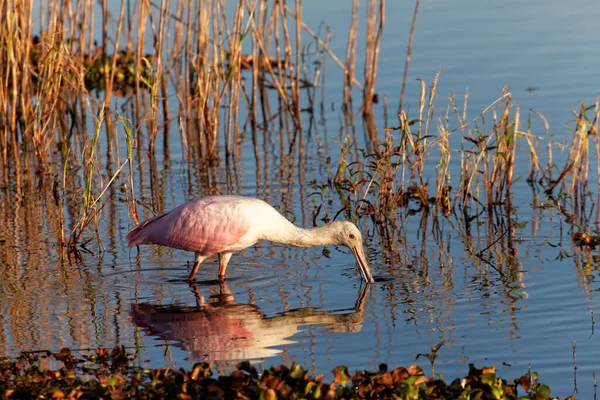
<point x="443" y="167"/>
<point x="89" y="82"/>
<point x="159" y="66"/>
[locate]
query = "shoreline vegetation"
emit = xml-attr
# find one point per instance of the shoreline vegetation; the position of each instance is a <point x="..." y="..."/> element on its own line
<point x="85" y="123"/>
<point x="221" y="80"/>
<point x="115" y="374"/>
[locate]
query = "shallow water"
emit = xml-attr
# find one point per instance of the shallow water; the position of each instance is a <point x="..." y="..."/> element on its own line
<point x="283" y="304"/>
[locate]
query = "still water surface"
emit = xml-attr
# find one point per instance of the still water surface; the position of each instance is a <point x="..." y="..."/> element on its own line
<point x="283" y="304"/>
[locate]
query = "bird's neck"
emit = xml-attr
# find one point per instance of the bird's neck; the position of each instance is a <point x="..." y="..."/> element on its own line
<point x="319" y="236"/>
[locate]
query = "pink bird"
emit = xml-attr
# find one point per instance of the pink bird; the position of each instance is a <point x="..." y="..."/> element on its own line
<point x="224" y="224"/>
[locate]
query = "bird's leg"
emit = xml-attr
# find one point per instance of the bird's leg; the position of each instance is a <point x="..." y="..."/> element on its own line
<point x="197" y="295"/>
<point x="199" y="259"/>
<point x="223" y="260"/>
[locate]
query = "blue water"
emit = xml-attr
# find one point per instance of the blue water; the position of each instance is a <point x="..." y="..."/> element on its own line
<point x="285" y="304"/>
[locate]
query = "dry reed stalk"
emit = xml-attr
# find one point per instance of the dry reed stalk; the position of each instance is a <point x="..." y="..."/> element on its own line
<point x="578" y="160"/>
<point x="258" y="23"/>
<point x="487" y="159"/>
<point x="51" y="76"/>
<point x="218" y="85"/>
<point x="87" y="209"/>
<point x="478" y="159"/>
<point x="495" y="173"/>
<point x="158" y="67"/>
<point x="145" y="84"/>
<point x="350" y="64"/>
<point x="443" y="169"/>
<point x="142" y="9"/>
<point x="129" y="139"/>
<point x="280" y="78"/>
<point x="233" y="82"/>
<point x="167" y="17"/>
<point x="263" y="35"/>
<point x="296" y="74"/>
<point x="498" y="155"/>
<point x="375" y="23"/>
<point x="594" y="133"/>
<point x="287" y="72"/>
<point x="204" y="84"/>
<point x="312" y="86"/>
<point x="186" y="76"/>
<point x="534" y="161"/>
<point x="324" y="46"/>
<point x="512" y="149"/>
<point x="10" y="78"/>
<point x="462" y="124"/>
<point x="60" y="200"/>
<point x="430" y="107"/>
<point x="177" y="73"/>
<point x="408" y="55"/>
<point x="110" y="77"/>
<point x="83" y="53"/>
<point x="415" y="144"/>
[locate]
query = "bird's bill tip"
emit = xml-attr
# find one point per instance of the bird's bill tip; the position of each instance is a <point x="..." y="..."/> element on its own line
<point x="361" y="259"/>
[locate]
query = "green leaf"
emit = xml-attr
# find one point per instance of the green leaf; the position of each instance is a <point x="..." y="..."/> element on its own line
<point x="497" y="393"/>
<point x="309" y="387"/>
<point x="112" y="381"/>
<point x="543" y="391"/>
<point x="488" y="379"/>
<point x="317" y="393"/>
<point x="341" y="375"/>
<point x="297" y="371"/>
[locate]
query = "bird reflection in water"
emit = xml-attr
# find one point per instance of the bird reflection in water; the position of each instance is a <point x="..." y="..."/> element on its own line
<point x="222" y="329"/>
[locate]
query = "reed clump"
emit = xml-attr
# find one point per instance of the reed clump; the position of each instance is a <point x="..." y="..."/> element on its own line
<point x="443" y="165"/>
<point x="158" y="68"/>
<point x="70" y="80"/>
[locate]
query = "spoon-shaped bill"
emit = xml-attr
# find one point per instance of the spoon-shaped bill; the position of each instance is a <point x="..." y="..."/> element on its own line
<point x="362" y="263"/>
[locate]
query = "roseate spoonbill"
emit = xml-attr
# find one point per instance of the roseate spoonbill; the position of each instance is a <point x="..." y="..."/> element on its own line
<point x="224" y="224"/>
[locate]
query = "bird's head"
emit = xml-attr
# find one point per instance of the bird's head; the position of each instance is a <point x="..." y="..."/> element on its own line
<point x="347" y="234"/>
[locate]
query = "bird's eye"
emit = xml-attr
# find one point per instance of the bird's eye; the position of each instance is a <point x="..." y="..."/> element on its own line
<point x="352" y="236"/>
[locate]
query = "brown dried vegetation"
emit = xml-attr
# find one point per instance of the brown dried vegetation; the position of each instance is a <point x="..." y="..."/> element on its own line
<point x="113" y="374"/>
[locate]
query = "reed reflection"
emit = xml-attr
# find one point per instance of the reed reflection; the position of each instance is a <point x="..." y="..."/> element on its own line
<point x="222" y="329"/>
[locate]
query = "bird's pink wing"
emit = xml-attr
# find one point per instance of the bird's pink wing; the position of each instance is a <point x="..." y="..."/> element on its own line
<point x="204" y="226"/>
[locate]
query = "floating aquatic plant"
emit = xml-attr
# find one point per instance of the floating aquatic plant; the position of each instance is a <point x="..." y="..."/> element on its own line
<point x="116" y="374"/>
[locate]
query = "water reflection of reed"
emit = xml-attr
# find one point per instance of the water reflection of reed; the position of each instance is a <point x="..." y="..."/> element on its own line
<point x="222" y="329"/>
<point x="48" y="300"/>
